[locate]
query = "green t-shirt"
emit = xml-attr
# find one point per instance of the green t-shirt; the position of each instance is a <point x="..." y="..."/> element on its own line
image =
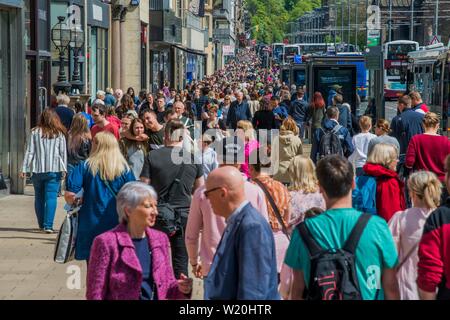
<point x="375" y="251"/>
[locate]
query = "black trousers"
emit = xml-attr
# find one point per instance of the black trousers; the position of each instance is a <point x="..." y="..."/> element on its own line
<point x="180" y="258"/>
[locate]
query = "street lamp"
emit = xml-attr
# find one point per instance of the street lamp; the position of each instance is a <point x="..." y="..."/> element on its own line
<point x="61" y="38"/>
<point x="76" y="42"/>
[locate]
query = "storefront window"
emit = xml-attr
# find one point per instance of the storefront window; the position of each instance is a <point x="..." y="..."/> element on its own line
<point x="28" y="23"/>
<point x="98" y="59"/>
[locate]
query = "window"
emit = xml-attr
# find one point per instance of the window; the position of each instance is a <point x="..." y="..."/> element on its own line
<point x="98" y="55"/>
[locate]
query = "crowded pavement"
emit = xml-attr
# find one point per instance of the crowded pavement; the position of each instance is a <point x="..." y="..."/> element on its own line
<point x="238" y="187"/>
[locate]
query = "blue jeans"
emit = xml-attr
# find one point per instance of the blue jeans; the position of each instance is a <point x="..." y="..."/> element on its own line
<point x="46" y="186"/>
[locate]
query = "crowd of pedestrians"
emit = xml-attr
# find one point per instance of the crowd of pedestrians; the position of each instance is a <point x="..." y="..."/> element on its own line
<point x="195" y="180"/>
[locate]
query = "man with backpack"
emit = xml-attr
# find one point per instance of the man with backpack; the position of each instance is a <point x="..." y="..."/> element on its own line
<point x="332" y="138"/>
<point x="342" y="254"/>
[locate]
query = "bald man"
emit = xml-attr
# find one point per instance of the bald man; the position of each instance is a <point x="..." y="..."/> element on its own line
<point x="244" y="266"/>
<point x="204" y="228"/>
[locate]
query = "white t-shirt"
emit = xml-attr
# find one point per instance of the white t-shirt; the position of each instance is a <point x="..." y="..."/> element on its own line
<point x="361" y="142"/>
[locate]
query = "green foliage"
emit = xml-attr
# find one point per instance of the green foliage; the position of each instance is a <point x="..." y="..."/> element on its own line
<point x="269" y="17"/>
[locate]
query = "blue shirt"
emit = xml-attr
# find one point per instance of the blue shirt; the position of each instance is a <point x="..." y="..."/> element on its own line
<point x="98" y="213"/>
<point x="144" y="255"/>
<point x="238" y="111"/>
<point x="88" y="118"/>
<point x="65" y="115"/>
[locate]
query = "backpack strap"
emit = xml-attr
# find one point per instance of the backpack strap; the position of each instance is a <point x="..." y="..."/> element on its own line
<point x="312" y="245"/>
<point x="274" y="207"/>
<point x="336" y="129"/>
<point x="165" y="198"/>
<point x="355" y="235"/>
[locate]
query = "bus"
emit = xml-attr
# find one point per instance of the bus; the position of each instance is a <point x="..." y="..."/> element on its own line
<point x="277" y="52"/>
<point x="313" y="48"/>
<point x="395" y="55"/>
<point x="290" y="50"/>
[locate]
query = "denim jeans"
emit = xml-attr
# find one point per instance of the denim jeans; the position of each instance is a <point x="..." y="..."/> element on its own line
<point x="46" y="186"/>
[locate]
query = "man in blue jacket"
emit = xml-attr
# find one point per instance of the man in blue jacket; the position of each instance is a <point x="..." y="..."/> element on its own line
<point x="279" y="110"/>
<point x="345" y="116"/>
<point x="239" y="110"/>
<point x="329" y="123"/>
<point x="244" y="266"/>
<point x="405" y="125"/>
<point x="299" y="112"/>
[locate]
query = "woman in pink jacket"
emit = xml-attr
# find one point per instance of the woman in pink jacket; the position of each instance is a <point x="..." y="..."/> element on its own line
<point x="131" y="261"/>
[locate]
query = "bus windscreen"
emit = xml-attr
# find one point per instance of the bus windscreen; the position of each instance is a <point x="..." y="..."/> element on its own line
<point x="285" y="76"/>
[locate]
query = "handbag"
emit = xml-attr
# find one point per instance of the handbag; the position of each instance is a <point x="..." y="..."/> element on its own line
<point x="168" y="219"/>
<point x="66" y="240"/>
<point x="274" y="207"/>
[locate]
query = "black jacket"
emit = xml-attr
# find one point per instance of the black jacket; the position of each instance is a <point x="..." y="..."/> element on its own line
<point x="299" y="111"/>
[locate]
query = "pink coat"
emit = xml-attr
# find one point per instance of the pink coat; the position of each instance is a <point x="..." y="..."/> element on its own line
<point x="114" y="271"/>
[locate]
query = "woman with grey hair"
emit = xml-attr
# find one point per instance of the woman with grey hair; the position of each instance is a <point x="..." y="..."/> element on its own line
<point x="131" y="261"/>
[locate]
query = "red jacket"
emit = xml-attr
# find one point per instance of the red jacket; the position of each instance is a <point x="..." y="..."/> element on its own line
<point x="433" y="269"/>
<point x="390" y="190"/>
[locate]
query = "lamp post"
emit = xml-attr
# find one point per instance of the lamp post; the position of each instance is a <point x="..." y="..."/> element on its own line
<point x="76" y="42"/>
<point x="61" y="38"/>
<point x="216" y="42"/>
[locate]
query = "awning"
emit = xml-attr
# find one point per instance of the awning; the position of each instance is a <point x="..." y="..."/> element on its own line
<point x="189" y="50"/>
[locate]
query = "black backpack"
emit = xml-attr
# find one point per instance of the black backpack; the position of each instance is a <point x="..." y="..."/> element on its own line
<point x="333" y="272"/>
<point x="330" y="143"/>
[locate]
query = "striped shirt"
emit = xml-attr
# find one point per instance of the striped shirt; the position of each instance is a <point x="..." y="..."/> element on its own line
<point x="45" y="155"/>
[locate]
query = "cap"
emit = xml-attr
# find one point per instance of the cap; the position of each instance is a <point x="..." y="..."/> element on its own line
<point x="336" y="87"/>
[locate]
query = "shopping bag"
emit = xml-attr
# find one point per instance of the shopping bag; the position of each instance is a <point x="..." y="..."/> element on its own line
<point x="65" y="242"/>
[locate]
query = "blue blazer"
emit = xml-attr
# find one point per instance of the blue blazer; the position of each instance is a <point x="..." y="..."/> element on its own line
<point x="244" y="266"/>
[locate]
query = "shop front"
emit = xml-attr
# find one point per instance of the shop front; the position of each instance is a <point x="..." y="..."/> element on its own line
<point x="12" y="92"/>
<point x="97" y="46"/>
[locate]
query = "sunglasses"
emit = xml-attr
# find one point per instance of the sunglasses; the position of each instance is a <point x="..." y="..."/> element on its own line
<point x="207" y="192"/>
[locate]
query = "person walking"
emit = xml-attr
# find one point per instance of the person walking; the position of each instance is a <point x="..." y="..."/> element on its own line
<point x="134" y="151"/>
<point x="381" y="164"/>
<point x="244" y="265"/>
<point x="131" y="261"/>
<point x="433" y="268"/>
<point x="417" y="103"/>
<point x="299" y="111"/>
<point x="407" y="229"/>
<point x="289" y="145"/>
<point x="99" y="114"/>
<point x="251" y="143"/>
<point x="63" y="111"/>
<point x="406" y="125"/>
<point x="330" y="230"/>
<point x="101" y="176"/>
<point x="331" y="126"/>
<point x="160" y="170"/>
<point x="428" y="151"/>
<point x="79" y="142"/>
<point x="239" y="110"/>
<point x="277" y="201"/>
<point x="382" y="130"/>
<point x="46" y="158"/>
<point x="204" y="229"/>
<point x="264" y="119"/>
<point x="361" y="143"/>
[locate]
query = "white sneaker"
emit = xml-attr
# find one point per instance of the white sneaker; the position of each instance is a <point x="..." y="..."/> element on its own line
<point x="49" y="231"/>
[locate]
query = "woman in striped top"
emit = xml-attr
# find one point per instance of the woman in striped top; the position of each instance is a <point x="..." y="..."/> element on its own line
<point x="46" y="158"/>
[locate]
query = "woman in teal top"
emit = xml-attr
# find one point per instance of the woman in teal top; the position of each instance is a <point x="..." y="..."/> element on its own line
<point x="101" y="177"/>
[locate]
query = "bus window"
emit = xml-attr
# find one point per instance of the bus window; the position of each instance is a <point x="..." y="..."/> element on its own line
<point x="437" y="71"/>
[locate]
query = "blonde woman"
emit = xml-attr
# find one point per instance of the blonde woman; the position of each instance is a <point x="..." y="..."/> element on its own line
<point x="382" y="164"/>
<point x="305" y="195"/>
<point x="251" y="143"/>
<point x="101" y="176"/>
<point x="289" y="146"/>
<point x="304" y="188"/>
<point x="79" y="142"/>
<point x="407" y="228"/>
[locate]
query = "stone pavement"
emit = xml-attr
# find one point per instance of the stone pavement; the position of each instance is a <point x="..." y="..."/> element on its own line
<point x="27" y="270"/>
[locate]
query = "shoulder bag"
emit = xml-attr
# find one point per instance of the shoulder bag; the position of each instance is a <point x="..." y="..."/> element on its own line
<point x="274" y="207"/>
<point x="168" y="219"/>
<point x="66" y="240"/>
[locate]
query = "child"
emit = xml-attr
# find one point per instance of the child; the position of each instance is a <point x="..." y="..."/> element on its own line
<point x="361" y="142"/>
